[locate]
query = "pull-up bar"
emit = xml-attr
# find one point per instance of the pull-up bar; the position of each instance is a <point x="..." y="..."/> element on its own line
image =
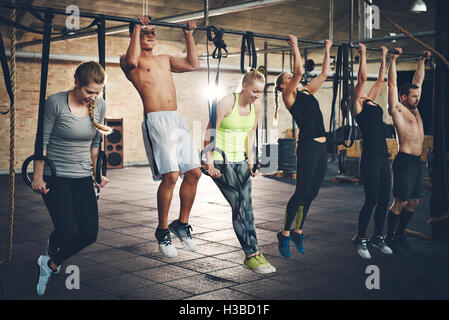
<point x="36" y="9"/>
<point x="154" y="22"/>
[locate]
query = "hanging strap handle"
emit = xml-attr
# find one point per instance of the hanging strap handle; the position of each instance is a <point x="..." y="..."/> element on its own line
<point x="6" y="74"/>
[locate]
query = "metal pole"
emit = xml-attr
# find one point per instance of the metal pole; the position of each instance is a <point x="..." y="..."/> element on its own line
<point x="331" y="20"/>
<point x="206" y="13"/>
<point x="265" y="46"/>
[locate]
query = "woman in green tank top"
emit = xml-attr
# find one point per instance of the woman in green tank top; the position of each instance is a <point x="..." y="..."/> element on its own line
<point x="236" y="126"/>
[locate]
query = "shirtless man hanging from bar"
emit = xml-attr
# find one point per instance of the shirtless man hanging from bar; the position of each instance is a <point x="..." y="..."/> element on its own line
<point x="168" y="141"/>
<point x="407" y="167"/>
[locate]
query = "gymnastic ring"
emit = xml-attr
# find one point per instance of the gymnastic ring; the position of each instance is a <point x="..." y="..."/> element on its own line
<point x="26" y="163"/>
<point x="102" y="166"/>
<point x="212" y="149"/>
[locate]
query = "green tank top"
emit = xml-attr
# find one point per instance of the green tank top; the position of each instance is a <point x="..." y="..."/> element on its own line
<point x="232" y="133"/>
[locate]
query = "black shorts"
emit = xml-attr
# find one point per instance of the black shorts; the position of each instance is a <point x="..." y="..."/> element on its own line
<point x="407" y="176"/>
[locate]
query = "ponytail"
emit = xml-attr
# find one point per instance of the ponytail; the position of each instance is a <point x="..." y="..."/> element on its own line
<point x="100" y="128"/>
<point x="277" y="88"/>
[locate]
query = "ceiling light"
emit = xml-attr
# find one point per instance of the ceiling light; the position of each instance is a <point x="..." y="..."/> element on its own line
<point x="418" y="6"/>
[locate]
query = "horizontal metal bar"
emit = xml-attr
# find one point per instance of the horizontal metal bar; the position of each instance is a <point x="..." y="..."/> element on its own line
<point x="414" y="54"/>
<point x="158" y="23"/>
<point x="203" y="28"/>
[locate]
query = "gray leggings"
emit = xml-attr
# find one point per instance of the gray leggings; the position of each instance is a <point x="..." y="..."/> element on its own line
<point x="235" y="185"/>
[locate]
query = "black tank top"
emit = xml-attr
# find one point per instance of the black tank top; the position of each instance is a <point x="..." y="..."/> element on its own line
<point x="370" y="122"/>
<point x="307" y="115"/>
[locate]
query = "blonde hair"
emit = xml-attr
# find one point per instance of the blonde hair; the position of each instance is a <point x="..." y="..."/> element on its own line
<point x="84" y="74"/>
<point x="253" y="75"/>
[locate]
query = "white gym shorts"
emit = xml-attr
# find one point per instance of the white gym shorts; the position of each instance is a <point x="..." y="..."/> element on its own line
<point x="168" y="143"/>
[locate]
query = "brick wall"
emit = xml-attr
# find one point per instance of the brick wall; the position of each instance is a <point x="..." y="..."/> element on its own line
<point x="124" y="102"/>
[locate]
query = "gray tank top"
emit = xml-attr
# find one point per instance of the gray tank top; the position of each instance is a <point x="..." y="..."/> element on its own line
<point x="68" y="138"/>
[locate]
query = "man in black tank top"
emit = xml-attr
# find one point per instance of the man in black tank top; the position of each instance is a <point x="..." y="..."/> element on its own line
<point x="374" y="165"/>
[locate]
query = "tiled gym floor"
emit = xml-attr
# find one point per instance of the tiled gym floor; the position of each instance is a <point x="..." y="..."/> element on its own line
<point x="125" y="263"/>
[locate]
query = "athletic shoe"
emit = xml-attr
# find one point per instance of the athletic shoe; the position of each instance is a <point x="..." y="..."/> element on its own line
<point x="392" y="242"/>
<point x="258" y="265"/>
<point x="166" y="247"/>
<point x="262" y="260"/>
<point x="284" y="245"/>
<point x="47" y="249"/>
<point x="402" y="241"/>
<point x="182" y="231"/>
<point x="362" y="249"/>
<point x="45" y="273"/>
<point x="298" y="240"/>
<point x="380" y="244"/>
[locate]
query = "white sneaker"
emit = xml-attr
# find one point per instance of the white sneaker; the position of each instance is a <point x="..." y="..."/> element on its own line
<point x="362" y="249"/>
<point x="166" y="246"/>
<point x="380" y="244"/>
<point x="45" y="273"/>
<point x="183" y="233"/>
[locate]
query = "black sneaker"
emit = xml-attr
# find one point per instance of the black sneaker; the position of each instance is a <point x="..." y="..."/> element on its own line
<point x="391" y="241"/>
<point x="166" y="246"/>
<point x="298" y="240"/>
<point x="402" y="241"/>
<point x="182" y="231"/>
<point x="379" y="243"/>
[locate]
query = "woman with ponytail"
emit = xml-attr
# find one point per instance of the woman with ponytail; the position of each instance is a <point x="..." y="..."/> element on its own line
<point x="311" y="152"/>
<point x="72" y="138"/>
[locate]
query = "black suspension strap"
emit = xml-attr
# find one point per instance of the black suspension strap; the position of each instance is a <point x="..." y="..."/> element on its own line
<point x="249" y="45"/>
<point x="102" y="160"/>
<point x="6" y="74"/>
<point x="336" y="84"/>
<point x="214" y="35"/>
<point x="39" y="143"/>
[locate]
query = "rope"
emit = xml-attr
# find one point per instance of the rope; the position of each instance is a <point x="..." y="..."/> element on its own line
<point x="417" y="234"/>
<point x="438" y="219"/>
<point x="12" y="159"/>
<point x="408" y="34"/>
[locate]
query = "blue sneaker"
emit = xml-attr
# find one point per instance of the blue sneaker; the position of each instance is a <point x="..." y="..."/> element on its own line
<point x="284" y="245"/>
<point x="45" y="273"/>
<point x="298" y="240"/>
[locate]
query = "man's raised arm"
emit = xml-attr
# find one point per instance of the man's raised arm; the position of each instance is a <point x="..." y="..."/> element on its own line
<point x="392" y="83"/>
<point x="191" y="62"/>
<point x="420" y="72"/>
<point x="129" y="61"/>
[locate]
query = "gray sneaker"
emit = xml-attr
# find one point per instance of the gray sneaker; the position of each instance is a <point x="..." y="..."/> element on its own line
<point x="182" y="231"/>
<point x="166" y="246"/>
<point x="380" y="244"/>
<point x="362" y="249"/>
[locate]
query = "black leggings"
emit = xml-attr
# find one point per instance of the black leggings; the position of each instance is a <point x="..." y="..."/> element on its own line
<point x="235" y="185"/>
<point x="376" y="175"/>
<point x="311" y="168"/>
<point x="73" y="208"/>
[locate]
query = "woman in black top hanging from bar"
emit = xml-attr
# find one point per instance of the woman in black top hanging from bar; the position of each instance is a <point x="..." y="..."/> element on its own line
<point x="374" y="164"/>
<point x="311" y="152"/>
